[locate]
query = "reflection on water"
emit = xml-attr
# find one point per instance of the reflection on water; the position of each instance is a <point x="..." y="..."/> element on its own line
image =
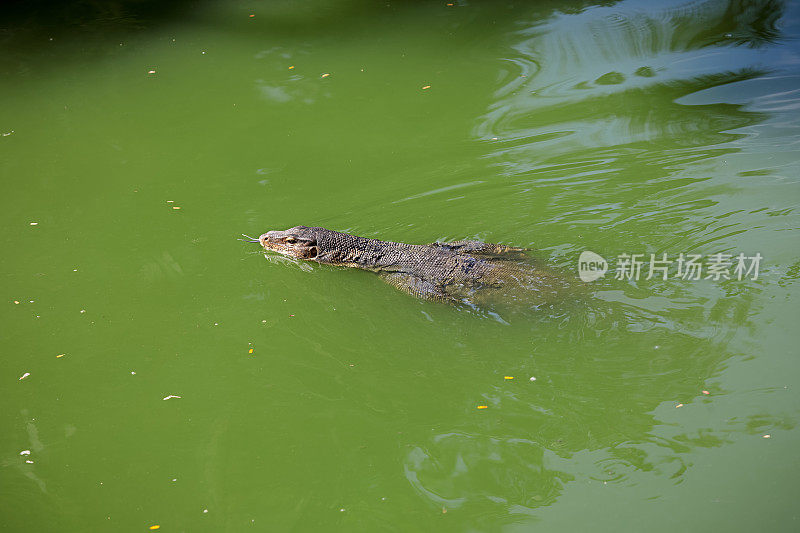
<point x="596" y="93"/>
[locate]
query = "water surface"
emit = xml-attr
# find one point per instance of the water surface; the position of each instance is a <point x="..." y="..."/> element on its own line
<point x="324" y="399"/>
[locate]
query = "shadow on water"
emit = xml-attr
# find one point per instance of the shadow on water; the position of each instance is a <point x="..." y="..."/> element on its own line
<point x="30" y="30"/>
<point x="78" y="18"/>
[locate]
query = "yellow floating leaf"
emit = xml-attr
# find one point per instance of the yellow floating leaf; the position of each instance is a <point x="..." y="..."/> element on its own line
<point x="250" y="351"/>
<point x="483" y="407"/>
<point x="60" y="355"/>
<point x="508" y="377"/>
<point x="155" y="527"/>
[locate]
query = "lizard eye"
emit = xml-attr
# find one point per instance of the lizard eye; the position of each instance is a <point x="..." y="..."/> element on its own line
<point x="291" y="240"/>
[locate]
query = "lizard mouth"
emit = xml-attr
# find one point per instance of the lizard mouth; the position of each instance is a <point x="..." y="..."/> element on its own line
<point x="307" y="253"/>
<point x="289" y="246"/>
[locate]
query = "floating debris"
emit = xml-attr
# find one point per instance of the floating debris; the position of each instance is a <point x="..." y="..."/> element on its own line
<point x="170" y="397"/>
<point x="426" y="87"/>
<point x="60" y="355"/>
<point x="533" y="378"/>
<point x="483" y="407"/>
<point x="29" y="462"/>
<point x="156" y="526"/>
<point x="290" y="68"/>
<point x="706" y="392"/>
<point x="766" y="436"/>
<point x="250" y="16"/>
<point x="679" y="405"/>
<point x="133" y="373"/>
<point x="250" y="350"/>
<point x="325" y="75"/>
<point x="508" y="377"/>
<point x="25" y="452"/>
<point x="34" y="223"/>
<point x="16" y="302"/>
<point x="151" y="71"/>
<point x="25" y="375"/>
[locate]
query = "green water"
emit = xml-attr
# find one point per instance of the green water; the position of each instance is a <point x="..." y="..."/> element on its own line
<point x="630" y="127"/>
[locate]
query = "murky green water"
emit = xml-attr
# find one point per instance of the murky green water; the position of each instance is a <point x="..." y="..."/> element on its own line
<point x="620" y="128"/>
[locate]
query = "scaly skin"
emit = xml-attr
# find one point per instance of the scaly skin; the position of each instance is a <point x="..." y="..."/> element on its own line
<point x="458" y="271"/>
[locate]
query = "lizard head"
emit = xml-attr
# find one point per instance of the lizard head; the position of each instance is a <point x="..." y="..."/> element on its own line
<point x="299" y="242"/>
